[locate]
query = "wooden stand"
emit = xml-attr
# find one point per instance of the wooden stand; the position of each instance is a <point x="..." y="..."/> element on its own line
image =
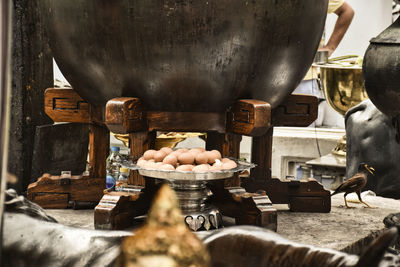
<point x="302" y="196"/>
<point x="65" y="105"/>
<point x="116" y="210"/>
<point x="224" y="132"/>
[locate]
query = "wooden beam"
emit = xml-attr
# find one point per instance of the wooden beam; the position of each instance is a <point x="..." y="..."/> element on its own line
<point x="296" y="110"/>
<point x="249" y="117"/>
<point x="65" y="105"/>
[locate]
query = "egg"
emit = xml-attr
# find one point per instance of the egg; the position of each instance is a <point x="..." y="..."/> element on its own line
<point x="215" y="167"/>
<point x="210" y="157"/>
<point x="170" y="159"/>
<point x="149" y="154"/>
<point x="159" y="156"/>
<point x="201" y="168"/>
<point x="167" y="167"/>
<point x="151" y="165"/>
<point x="141" y="162"/>
<point x="224" y="160"/>
<point x="229" y="165"/>
<point x="186" y="158"/>
<point x="201" y="158"/>
<point x="167" y="150"/>
<point x="175" y="153"/>
<point x="182" y="150"/>
<point x="216" y="153"/>
<point x="195" y="151"/>
<point x="158" y="165"/>
<point x="185" y="168"/>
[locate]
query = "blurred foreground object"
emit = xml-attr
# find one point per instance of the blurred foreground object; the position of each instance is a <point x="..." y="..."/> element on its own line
<point x="164" y="240"/>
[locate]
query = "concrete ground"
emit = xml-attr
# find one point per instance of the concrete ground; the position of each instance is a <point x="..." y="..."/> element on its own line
<point x="337" y="229"/>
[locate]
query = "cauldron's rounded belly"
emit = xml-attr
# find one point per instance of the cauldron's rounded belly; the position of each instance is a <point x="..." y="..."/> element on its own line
<point x="184" y="55"/>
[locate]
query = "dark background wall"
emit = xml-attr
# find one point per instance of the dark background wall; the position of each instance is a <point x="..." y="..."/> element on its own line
<point x="32" y="73"/>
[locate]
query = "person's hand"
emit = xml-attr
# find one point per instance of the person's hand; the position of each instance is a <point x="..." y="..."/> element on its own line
<point x="327" y="48"/>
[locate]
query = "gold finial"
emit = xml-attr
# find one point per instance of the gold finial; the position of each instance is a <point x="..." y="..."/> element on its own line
<point x="165" y="239"/>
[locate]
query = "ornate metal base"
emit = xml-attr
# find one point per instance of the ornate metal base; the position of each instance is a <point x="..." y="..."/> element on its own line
<point x="198" y="215"/>
<point x="208" y="219"/>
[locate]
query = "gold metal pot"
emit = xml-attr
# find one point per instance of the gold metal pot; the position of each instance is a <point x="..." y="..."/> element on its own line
<point x="342" y="85"/>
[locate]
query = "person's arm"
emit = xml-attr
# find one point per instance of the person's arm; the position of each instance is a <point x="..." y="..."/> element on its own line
<point x="345" y="15"/>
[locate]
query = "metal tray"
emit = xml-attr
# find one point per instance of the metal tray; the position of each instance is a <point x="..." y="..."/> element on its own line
<point x="189" y="175"/>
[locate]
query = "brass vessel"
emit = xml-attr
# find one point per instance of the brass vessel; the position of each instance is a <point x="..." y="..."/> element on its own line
<point x="343" y="85"/>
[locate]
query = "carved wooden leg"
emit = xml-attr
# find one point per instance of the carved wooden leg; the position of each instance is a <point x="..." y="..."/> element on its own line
<point x="246" y="208"/>
<point x="117" y="210"/>
<point x="302" y="196"/>
<point x="99" y="143"/>
<point x="139" y="142"/>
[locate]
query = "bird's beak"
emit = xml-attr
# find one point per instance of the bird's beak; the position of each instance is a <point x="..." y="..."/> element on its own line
<point x="370" y="169"/>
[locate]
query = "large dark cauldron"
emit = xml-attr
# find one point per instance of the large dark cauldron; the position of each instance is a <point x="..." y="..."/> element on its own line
<point x="184" y="55"/>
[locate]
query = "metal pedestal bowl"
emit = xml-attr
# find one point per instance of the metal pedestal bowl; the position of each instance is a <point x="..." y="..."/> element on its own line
<point x="192" y="192"/>
<point x="343" y="85"/>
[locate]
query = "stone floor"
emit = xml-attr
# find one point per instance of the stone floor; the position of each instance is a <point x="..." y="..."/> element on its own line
<point x="337" y="229"/>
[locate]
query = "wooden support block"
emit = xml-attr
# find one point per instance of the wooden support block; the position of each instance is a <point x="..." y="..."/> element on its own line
<point x="187" y="121"/>
<point x="56" y="192"/>
<point x="125" y="115"/>
<point x="249" y="117"/>
<point x="310" y="204"/>
<point x="51" y="200"/>
<point x="261" y="155"/>
<point x="99" y="142"/>
<point x="301" y="195"/>
<point x="296" y="110"/>
<point x="65" y="105"/>
<point x="117" y="210"/>
<point x="246" y="208"/>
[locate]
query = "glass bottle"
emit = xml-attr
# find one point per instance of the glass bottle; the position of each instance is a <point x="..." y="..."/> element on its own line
<point x="122" y="180"/>
<point x="113" y="164"/>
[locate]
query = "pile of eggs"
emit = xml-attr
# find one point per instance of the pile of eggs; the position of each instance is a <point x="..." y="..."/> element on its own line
<point x="183" y="159"/>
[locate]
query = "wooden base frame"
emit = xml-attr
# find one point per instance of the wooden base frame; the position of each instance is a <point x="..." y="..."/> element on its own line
<point x="224" y="132"/>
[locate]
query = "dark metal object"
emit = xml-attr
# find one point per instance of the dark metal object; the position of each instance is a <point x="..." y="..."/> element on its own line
<point x="19" y="204"/>
<point x="76" y="247"/>
<point x="231" y="246"/>
<point x="245" y="246"/>
<point x="251" y="246"/>
<point x="184" y="55"/>
<point x="371" y="139"/>
<point x="380" y="70"/>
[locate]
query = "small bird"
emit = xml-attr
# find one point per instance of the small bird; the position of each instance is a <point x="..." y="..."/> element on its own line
<point x="356" y="183"/>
